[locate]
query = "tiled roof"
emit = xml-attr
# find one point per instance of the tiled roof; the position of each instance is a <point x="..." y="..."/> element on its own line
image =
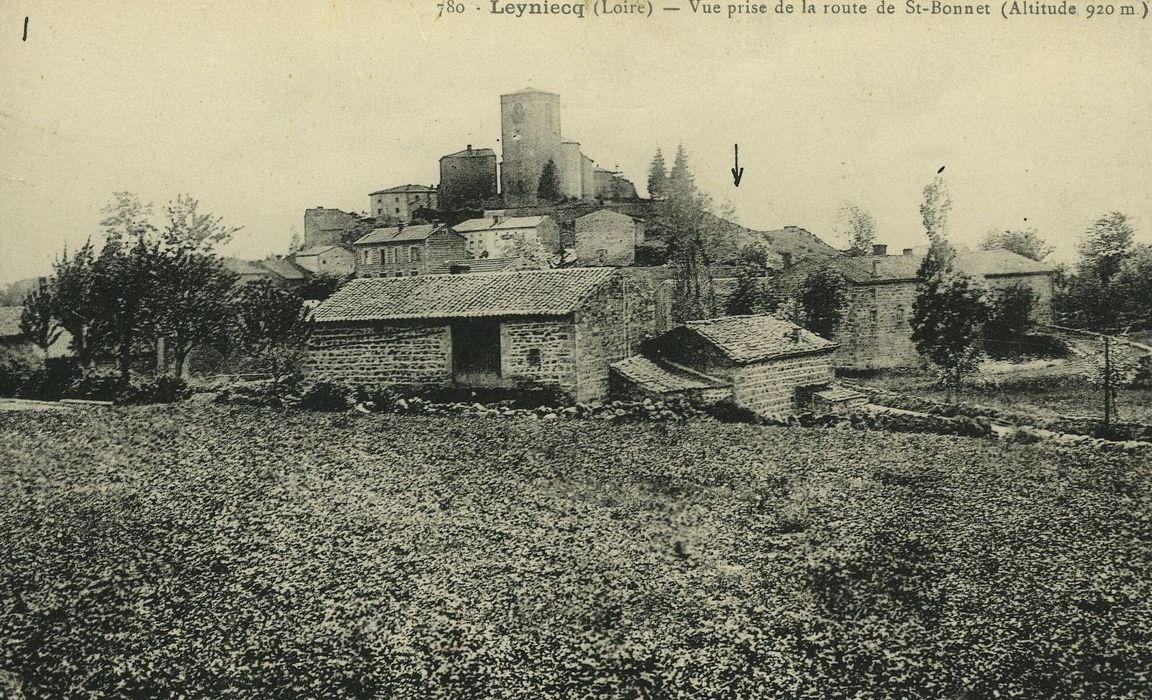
<point x="398" y="234"/>
<point x="530" y="293"/>
<point x="285" y="268"/>
<point x="662" y="378"/>
<point x="10" y="321"/>
<point x="490" y="223"/>
<point x="474" y="265"/>
<point x="470" y="153"/>
<point x="421" y="189"/>
<point x="314" y="250"/>
<point x="895" y="268"/>
<point x="746" y="339"/>
<point x="244" y="267"/>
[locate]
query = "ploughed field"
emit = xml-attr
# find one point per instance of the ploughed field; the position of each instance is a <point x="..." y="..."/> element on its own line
<point x="206" y="551"/>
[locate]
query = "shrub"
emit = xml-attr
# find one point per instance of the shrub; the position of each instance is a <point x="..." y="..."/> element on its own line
<point x="326" y="396"/>
<point x="96" y="386"/>
<point x="13" y="375"/>
<point x="51" y="382"/>
<point x="162" y="389"/>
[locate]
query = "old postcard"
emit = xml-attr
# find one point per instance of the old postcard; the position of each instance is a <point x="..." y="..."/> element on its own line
<point x="576" y="349"/>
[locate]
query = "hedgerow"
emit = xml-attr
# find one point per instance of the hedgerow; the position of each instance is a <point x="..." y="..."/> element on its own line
<point x="226" y="551"/>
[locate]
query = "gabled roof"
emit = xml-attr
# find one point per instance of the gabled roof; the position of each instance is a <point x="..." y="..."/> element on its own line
<point x="245" y="267"/>
<point x="490" y="224"/>
<point x="420" y="189"/>
<point x="314" y="250"/>
<point x="10" y="321"/>
<point x="745" y="339"/>
<point x="400" y="234"/>
<point x="663" y="378"/>
<point x="865" y="269"/>
<point x="530" y="293"/>
<point x="474" y="265"/>
<point x="285" y="268"/>
<point x="466" y="153"/>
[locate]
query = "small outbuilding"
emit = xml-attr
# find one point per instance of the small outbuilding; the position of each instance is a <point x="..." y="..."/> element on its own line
<point x="764" y="364"/>
<point x="559" y="328"/>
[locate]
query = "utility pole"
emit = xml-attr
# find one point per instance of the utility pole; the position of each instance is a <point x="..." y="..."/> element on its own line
<point x="1107" y="385"/>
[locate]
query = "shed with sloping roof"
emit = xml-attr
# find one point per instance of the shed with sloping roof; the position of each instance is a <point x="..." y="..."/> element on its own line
<point x="772" y="366"/>
<point x="558" y="328"/>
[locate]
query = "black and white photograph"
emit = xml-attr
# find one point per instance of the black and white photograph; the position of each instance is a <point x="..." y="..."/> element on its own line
<point x="575" y="349"/>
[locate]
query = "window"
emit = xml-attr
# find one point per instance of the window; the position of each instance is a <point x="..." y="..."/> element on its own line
<point x="534" y="358"/>
<point x="872" y="317"/>
<point x="379" y="211"/>
<point x="391" y="256"/>
<point x="899" y="314"/>
<point x="366" y="257"/>
<point x="414" y="254"/>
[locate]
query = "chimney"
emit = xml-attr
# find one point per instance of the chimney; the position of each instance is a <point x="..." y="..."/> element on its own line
<point x="498" y="219"/>
<point x="786" y="260"/>
<point x="794" y="334"/>
<point x="879" y="249"/>
<point x="400" y="228"/>
<point x="875" y="268"/>
<point x="469" y="148"/>
<point x="908" y="251"/>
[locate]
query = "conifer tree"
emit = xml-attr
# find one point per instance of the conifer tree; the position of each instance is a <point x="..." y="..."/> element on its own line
<point x="680" y="180"/>
<point x="658" y="177"/>
<point x="549" y="189"/>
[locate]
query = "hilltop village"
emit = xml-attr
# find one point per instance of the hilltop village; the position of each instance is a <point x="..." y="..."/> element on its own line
<point x="544" y="269"/>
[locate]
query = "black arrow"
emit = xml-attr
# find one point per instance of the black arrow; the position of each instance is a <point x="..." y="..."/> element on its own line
<point x="737" y="172"/>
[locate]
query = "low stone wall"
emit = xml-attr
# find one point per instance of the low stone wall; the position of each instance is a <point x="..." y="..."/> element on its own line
<point x="376" y="354"/>
<point x="769" y="388"/>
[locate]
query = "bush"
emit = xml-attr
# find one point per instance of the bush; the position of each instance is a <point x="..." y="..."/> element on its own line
<point x="96" y="386"/>
<point x="326" y="396"/>
<point x="162" y="389"/>
<point x="51" y="382"/>
<point x="13" y="375"/>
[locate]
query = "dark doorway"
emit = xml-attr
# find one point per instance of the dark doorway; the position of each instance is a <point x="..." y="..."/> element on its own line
<point x="476" y="351"/>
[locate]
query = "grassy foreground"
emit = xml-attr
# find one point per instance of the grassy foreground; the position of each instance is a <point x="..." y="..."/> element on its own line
<point x="209" y="551"/>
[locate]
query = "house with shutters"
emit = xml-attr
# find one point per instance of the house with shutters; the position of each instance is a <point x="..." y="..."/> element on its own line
<point x="558" y="328"/>
<point x="404" y="251"/>
<point x="767" y="365"/>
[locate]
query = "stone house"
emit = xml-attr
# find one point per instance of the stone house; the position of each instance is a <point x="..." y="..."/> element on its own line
<point x="876" y="326"/>
<point x="498" y="235"/>
<point x="399" y="251"/>
<point x="400" y="204"/>
<point x="279" y="271"/>
<point x="606" y="237"/>
<point x="559" y="328"/>
<point x="764" y="364"/>
<point x="467" y="177"/>
<point x="324" y="226"/>
<point x="326" y="259"/>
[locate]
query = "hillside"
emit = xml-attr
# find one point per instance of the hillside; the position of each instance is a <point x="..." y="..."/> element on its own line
<point x="252" y="553"/>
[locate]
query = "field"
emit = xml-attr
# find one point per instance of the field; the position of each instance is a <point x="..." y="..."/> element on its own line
<point x="1059" y="391"/>
<point x="206" y="551"/>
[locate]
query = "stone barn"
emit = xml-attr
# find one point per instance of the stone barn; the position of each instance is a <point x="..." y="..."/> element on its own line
<point x="559" y="328"/>
<point x="764" y="364"/>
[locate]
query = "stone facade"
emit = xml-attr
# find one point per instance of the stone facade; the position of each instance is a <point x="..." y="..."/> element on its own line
<point x="607" y="238"/>
<point x="410" y="257"/>
<point x="769" y="387"/>
<point x="876" y="327"/>
<point x="610" y="327"/>
<point x="399" y="204"/>
<point x="381" y="354"/>
<point x="467" y="178"/>
<point x="327" y="226"/>
<point x="539" y="350"/>
<point x="334" y="260"/>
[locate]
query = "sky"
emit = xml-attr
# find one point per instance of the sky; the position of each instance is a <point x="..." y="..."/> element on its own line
<point x="263" y="109"/>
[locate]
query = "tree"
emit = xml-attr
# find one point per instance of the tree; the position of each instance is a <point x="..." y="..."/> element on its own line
<point x="192" y="230"/>
<point x="321" y="285"/>
<point x="37" y="318"/>
<point x="193" y="303"/>
<point x="1106" y="245"/>
<point x="126" y="289"/>
<point x="1010" y="312"/>
<point x="680" y="180"/>
<point x="820" y="301"/>
<point x="74" y="299"/>
<point x="295" y="242"/>
<point x="948" y="314"/>
<point x="272" y="327"/>
<point x="751" y="295"/>
<point x="658" y="177"/>
<point x="859" y="228"/>
<point x="549" y="188"/>
<point x="1024" y="242"/>
<point x="934" y="210"/>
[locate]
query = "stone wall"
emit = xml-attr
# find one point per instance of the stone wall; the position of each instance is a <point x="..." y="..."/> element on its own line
<point x="769" y="387"/>
<point x="539" y="350"/>
<point x="876" y="327"/>
<point x="376" y="353"/>
<point x="606" y="238"/>
<point x="609" y="327"/>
